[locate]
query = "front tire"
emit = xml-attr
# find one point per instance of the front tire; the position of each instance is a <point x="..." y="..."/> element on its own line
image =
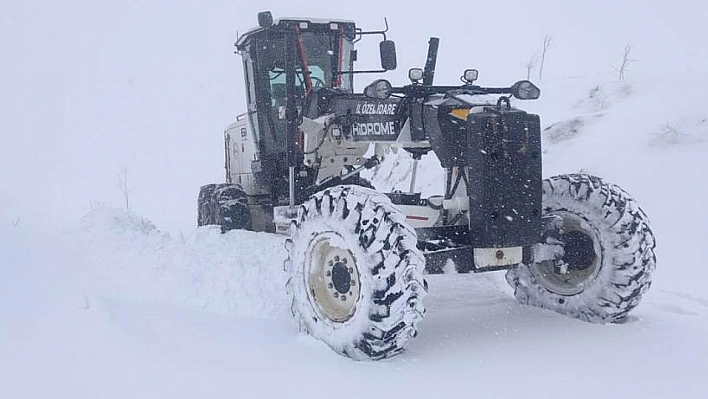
<point x="608" y="252"/>
<point x="355" y="273"/>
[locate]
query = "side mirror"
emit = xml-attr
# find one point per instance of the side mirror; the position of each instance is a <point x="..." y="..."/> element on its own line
<point x="387" y="48"/>
<point x="525" y="90"/>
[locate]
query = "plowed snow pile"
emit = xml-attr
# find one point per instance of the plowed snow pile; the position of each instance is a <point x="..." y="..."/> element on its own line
<point x="240" y="272"/>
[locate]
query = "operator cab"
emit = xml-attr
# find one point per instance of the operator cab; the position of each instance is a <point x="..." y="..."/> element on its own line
<point x="317" y="54"/>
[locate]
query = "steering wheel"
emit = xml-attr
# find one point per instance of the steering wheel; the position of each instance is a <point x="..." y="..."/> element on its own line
<point x="318" y="83"/>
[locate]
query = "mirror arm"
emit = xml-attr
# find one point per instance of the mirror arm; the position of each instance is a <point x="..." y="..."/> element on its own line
<point x="360" y="33"/>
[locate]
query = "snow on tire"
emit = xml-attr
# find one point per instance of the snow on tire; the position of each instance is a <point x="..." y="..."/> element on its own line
<point x="355" y="273"/>
<point x="205" y="214"/>
<point x="608" y="252"/>
<point x="225" y="205"/>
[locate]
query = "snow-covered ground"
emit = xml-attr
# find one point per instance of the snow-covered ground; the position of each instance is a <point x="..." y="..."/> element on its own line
<point x="99" y="303"/>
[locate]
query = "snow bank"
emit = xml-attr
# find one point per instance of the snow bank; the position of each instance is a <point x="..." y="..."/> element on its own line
<point x="128" y="257"/>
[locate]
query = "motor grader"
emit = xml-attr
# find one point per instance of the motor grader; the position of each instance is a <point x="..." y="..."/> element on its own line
<point x="357" y="257"/>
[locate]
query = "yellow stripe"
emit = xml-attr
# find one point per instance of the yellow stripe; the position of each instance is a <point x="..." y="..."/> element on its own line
<point x="461" y="113"/>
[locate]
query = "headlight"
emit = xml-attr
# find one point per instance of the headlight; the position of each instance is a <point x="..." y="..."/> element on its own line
<point x="470" y="75"/>
<point x="415" y="74"/>
<point x="525" y="90"/>
<point x="379" y="89"/>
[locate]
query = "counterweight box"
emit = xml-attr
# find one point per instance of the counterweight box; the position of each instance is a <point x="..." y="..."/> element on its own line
<point x="503" y="159"/>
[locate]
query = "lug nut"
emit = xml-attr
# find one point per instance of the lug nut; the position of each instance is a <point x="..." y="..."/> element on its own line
<point x="336" y="258"/>
<point x="344" y="298"/>
<point x="352" y="283"/>
<point x="336" y="294"/>
<point x="344" y="261"/>
<point x="330" y="286"/>
<point x="330" y="263"/>
<point x="351" y="270"/>
<point x="328" y="273"/>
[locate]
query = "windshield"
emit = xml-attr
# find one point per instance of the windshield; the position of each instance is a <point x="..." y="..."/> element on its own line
<point x="322" y="60"/>
<point x="319" y="57"/>
<point x="318" y="65"/>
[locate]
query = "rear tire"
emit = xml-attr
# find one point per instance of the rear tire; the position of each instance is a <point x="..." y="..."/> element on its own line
<point x="205" y="213"/>
<point x="355" y="274"/>
<point x="225" y="205"/>
<point x="608" y="252"/>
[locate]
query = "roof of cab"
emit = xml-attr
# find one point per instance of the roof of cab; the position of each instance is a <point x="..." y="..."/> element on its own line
<point x="286" y="20"/>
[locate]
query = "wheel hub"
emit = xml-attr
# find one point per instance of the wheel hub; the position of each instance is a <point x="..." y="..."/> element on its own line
<point x="581" y="260"/>
<point x="341" y="278"/>
<point x="579" y="250"/>
<point x="332" y="277"/>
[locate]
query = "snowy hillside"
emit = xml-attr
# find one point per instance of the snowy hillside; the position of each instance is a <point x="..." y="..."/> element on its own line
<point x="96" y="302"/>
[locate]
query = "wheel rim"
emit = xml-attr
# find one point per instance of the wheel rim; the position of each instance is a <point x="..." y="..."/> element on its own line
<point x="581" y="262"/>
<point x="332" y="277"/>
